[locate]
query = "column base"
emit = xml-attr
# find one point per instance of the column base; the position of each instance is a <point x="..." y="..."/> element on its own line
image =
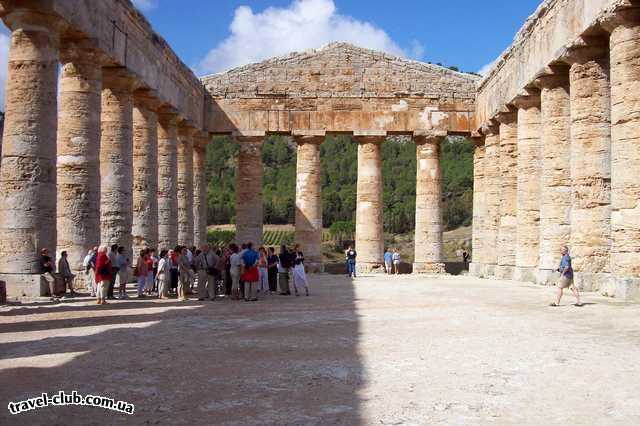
<point x="593" y="281"/>
<point x="314" y="267"/>
<point x="476" y="270"/>
<point x="627" y="289"/>
<point x="428" y="268"/>
<point x="504" y="272"/>
<point x="25" y="285"/>
<point x="525" y="274"/>
<point x="489" y="271"/>
<point x="369" y="268"/>
<point x="547" y="277"/>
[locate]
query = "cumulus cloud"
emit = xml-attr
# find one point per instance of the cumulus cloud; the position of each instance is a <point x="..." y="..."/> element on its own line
<point x="302" y="25"/>
<point x="486" y="68"/>
<point x="4" y="59"/>
<point x="145" y="5"/>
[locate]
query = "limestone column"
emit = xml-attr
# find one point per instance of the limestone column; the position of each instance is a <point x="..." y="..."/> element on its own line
<point x="167" y="179"/>
<point x="507" y="221"/>
<point x="145" y="171"/>
<point x="492" y="196"/>
<point x="116" y="158"/>
<point x="590" y="165"/>
<point x="28" y="170"/>
<point x="479" y="209"/>
<point x="185" y="185"/>
<point x="428" y="233"/>
<point x="78" y="151"/>
<point x="625" y="154"/>
<point x="309" y="200"/>
<point x="200" y="189"/>
<point x="249" y="208"/>
<point x="369" y="226"/>
<point x="528" y="192"/>
<point x="555" y="171"/>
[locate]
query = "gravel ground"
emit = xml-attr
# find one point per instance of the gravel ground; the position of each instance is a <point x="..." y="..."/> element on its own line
<point x="378" y="350"/>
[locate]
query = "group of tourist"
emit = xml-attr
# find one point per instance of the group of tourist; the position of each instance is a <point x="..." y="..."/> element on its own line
<point x="236" y="272"/>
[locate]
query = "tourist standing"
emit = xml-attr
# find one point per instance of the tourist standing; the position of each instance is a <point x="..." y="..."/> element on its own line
<point x="299" y="275"/>
<point x="263" y="268"/>
<point x="272" y="264"/>
<point x="148" y="282"/>
<point x="184" y="274"/>
<point x="163" y="274"/>
<point x="228" y="282"/>
<point x="89" y="264"/>
<point x="234" y="271"/>
<point x="284" y="265"/>
<point x="140" y="272"/>
<point x="103" y="276"/>
<point x="566" y="278"/>
<point x="396" y="261"/>
<point x="113" y="262"/>
<point x="154" y="268"/>
<point x="65" y="273"/>
<point x="123" y="272"/>
<point x="173" y="273"/>
<point x="351" y="261"/>
<point x="47" y="266"/>
<point x="250" y="274"/>
<point x="388" y="261"/>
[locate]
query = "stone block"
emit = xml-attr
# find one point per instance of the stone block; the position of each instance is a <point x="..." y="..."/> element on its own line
<point x="25" y="285"/>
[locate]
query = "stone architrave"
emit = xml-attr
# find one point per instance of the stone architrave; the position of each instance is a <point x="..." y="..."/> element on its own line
<point x="624" y="45"/>
<point x="369" y="225"/>
<point x="200" y="189"/>
<point x="28" y="170"/>
<point x="428" y="256"/>
<point x="116" y="158"/>
<point x="590" y="164"/>
<point x="145" y="171"/>
<point x="78" y="152"/>
<point x="555" y="171"/>
<point x="479" y="209"/>
<point x="185" y="184"/>
<point x="309" y="200"/>
<point x="507" y="222"/>
<point x="249" y="208"/>
<point x="528" y="192"/>
<point x="167" y="179"/>
<point x="492" y="196"/>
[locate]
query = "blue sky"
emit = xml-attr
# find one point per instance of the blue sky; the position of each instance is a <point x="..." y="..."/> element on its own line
<point x="214" y="35"/>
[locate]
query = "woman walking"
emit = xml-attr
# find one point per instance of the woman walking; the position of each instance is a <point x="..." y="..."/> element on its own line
<point x="566" y="278"/>
<point x="103" y="275"/>
<point x="163" y="274"/>
<point x="299" y="275"/>
<point x="263" y="264"/>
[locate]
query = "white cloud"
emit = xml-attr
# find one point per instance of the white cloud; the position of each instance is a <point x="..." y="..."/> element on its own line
<point x="486" y="68"/>
<point x="302" y="25"/>
<point x="4" y="59"/>
<point x="145" y="5"/>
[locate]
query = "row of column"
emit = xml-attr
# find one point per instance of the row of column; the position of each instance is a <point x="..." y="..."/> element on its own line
<point x="561" y="168"/>
<point x="369" y="204"/>
<point x="105" y="166"/>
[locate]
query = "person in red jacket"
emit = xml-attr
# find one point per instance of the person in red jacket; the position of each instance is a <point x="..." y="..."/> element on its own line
<point x="103" y="275"/>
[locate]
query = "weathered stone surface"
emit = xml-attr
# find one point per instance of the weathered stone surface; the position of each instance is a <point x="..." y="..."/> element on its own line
<point x="507" y="222"/>
<point x="428" y="233"/>
<point x="528" y="192"/>
<point x="145" y="172"/>
<point x="167" y="180"/>
<point x="479" y="209"/>
<point x="309" y="200"/>
<point x="492" y="196"/>
<point x="78" y="151"/>
<point x="185" y="185"/>
<point x="199" y="189"/>
<point x="28" y="170"/>
<point x="555" y="171"/>
<point x="369" y="235"/>
<point x="249" y="208"/>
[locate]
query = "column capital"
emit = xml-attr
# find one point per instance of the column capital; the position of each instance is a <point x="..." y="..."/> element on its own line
<point x="531" y="100"/>
<point x="627" y="17"/>
<point x="168" y="115"/>
<point x="82" y="51"/>
<point x="147" y="99"/>
<point x="369" y="139"/>
<point x="201" y="139"/>
<point x="303" y="139"/>
<point x="255" y="140"/>
<point x="507" y="117"/>
<point x="585" y="49"/>
<point x="119" y="78"/>
<point x="555" y="77"/>
<point x="490" y="128"/>
<point x="424" y="139"/>
<point x="186" y="129"/>
<point x="34" y="18"/>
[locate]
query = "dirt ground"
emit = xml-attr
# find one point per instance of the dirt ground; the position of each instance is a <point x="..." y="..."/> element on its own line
<point x="378" y="350"/>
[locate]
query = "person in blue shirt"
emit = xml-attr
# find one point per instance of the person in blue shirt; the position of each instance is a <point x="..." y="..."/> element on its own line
<point x="566" y="278"/>
<point x="388" y="261"/>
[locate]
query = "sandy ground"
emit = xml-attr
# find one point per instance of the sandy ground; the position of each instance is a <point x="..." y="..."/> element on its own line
<point x="399" y="350"/>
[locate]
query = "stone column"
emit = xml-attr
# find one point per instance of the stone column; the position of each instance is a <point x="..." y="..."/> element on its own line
<point x="309" y="200"/>
<point x="528" y="192"/>
<point x="369" y="229"/>
<point x="492" y="196"/>
<point x="555" y="168"/>
<point x="185" y="184"/>
<point x="428" y="233"/>
<point x="590" y="165"/>
<point x="78" y="145"/>
<point x="28" y="170"/>
<point x="625" y="154"/>
<point x="479" y="209"/>
<point x="200" y="189"/>
<point x="507" y="220"/>
<point x="145" y="171"/>
<point x="249" y="208"/>
<point x="167" y="179"/>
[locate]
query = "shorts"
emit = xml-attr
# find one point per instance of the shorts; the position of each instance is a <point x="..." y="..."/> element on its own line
<point x="565" y="282"/>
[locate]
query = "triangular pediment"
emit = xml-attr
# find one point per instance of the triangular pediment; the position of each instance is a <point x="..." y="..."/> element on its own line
<point x="339" y="70"/>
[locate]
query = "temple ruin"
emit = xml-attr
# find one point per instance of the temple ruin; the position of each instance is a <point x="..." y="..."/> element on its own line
<point x="118" y="154"/>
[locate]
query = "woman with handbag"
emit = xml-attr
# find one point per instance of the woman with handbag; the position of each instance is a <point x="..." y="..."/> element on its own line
<point x="103" y="275"/>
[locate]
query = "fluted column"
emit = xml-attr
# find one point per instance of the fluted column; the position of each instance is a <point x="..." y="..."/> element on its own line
<point x="590" y="165"/>
<point x="479" y="209"/>
<point x="167" y="179"/>
<point x="200" y="189"/>
<point x="309" y="200"/>
<point x="428" y="233"/>
<point x="28" y="170"/>
<point x="185" y="185"/>
<point x="78" y="145"/>
<point x="116" y="158"/>
<point x="492" y="195"/>
<point x="369" y="229"/>
<point x="507" y="216"/>
<point x="145" y="171"/>
<point x="555" y="171"/>
<point x="249" y="208"/>
<point x="625" y="154"/>
<point x="528" y="193"/>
